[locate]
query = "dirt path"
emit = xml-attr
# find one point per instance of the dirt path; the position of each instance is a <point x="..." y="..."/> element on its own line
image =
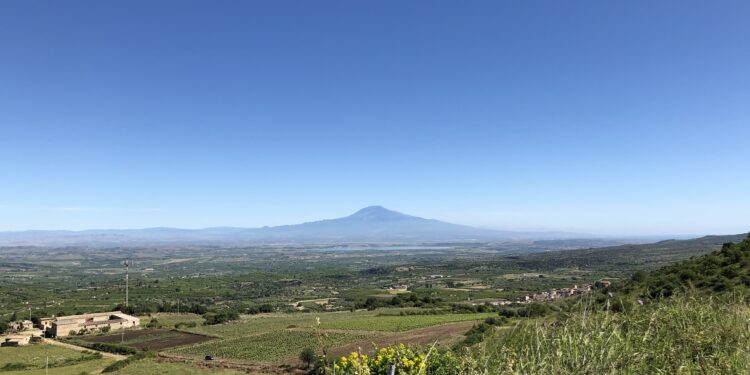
<point x="117" y="357"/>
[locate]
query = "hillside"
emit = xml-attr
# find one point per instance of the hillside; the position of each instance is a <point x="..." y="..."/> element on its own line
<point x="727" y="269"/>
<point x="629" y="258"/>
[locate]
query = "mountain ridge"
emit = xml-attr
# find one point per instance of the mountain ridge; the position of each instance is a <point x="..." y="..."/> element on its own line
<point x="369" y="224"/>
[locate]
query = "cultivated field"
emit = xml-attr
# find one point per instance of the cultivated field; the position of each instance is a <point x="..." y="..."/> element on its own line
<point x="151" y="339"/>
<point x="279" y="338"/>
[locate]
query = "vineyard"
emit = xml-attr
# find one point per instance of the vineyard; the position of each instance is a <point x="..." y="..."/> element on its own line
<point x="280" y="337"/>
<point x="401" y="323"/>
<point x="151" y="339"/>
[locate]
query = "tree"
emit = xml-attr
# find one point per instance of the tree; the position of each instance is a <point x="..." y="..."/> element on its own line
<point x="308" y="356"/>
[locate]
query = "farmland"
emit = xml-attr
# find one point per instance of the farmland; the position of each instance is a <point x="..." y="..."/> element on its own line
<point x="267" y="347"/>
<point x="33" y="360"/>
<point x="274" y="337"/>
<point x="361" y="297"/>
<point x="160" y="367"/>
<point x="150" y="339"/>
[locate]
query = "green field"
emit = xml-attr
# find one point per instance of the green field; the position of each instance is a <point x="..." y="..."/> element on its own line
<point x="32" y="360"/>
<point x="378" y="320"/>
<point x="269" y="346"/>
<point x="150" y="367"/>
<point x="399" y="323"/>
<point x="271" y="337"/>
<point x="168" y="320"/>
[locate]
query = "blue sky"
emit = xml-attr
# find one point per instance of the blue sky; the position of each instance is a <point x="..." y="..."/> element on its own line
<point x="604" y="117"/>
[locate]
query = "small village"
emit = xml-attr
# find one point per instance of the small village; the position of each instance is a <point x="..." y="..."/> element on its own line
<point x="554" y="294"/>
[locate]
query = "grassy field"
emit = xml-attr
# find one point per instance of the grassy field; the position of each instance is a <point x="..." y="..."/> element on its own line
<point x="273" y="337"/>
<point x="268" y="346"/>
<point x="378" y="320"/>
<point x="151" y="367"/>
<point x="169" y="320"/>
<point x="399" y="323"/>
<point x="32" y="360"/>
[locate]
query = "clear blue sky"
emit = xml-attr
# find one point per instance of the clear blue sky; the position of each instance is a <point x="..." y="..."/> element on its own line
<point x="611" y="117"/>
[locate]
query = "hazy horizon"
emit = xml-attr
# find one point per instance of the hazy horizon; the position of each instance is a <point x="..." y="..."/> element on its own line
<point x="600" y="118"/>
<point x="520" y="230"/>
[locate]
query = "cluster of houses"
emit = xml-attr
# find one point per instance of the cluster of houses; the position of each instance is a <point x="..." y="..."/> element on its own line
<point x="555" y="294"/>
<point x="398" y="288"/>
<point x="25" y="331"/>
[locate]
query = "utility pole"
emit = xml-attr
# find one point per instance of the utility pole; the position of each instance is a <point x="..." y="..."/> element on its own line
<point x="178" y="306"/>
<point x="126" y="263"/>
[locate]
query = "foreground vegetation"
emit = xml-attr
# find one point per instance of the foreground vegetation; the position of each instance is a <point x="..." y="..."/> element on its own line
<point x="683" y="335"/>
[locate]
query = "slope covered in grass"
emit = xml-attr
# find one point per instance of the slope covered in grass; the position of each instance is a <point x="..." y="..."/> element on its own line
<point x="682" y="335"/>
<point x="725" y="270"/>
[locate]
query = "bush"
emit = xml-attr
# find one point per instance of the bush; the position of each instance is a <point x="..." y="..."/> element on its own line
<point x="220" y="317"/>
<point x="307" y="356"/>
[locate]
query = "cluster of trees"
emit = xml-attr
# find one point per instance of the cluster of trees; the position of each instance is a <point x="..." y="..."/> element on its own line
<point x="469" y="309"/>
<point x="221" y="316"/>
<point x="211" y="315"/>
<point x="532" y="310"/>
<point x="264" y="308"/>
<point x="412" y="300"/>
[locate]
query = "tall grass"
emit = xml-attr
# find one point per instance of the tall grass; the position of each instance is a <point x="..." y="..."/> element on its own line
<point x="682" y="335"/>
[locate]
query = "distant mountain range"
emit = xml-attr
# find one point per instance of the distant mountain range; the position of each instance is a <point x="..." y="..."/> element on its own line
<point x="374" y="224"/>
